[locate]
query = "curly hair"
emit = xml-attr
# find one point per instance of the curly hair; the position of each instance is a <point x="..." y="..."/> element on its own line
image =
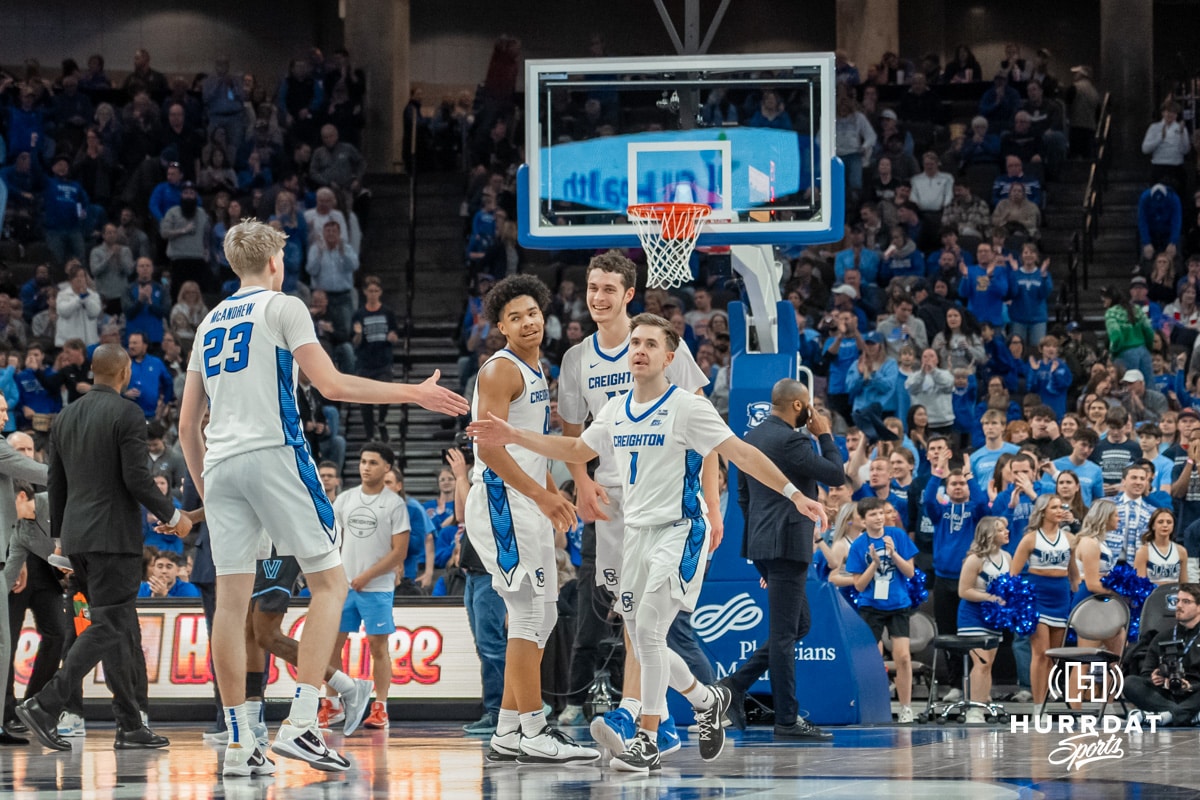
<point x="616" y="262"/>
<point x="510" y="289"/>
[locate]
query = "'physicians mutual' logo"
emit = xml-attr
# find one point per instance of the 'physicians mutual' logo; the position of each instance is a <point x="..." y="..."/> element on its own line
<point x="757" y="413"/>
<point x="740" y="613"/>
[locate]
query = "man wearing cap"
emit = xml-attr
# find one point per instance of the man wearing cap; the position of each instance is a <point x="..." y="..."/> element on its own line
<point x="166" y="194"/>
<point x="845" y="298"/>
<point x="65" y="207"/>
<point x="1144" y="404"/>
<point x="873" y="384"/>
<point x="857" y="256"/>
<point x="1139" y="295"/>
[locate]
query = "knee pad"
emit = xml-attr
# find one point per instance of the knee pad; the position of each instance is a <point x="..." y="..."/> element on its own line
<point x="549" y="620"/>
<point x="525" y="614"/>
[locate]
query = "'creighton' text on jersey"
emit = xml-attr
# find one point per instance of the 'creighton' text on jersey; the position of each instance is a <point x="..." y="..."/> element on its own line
<point x="658" y="450"/>
<point x="591" y="376"/>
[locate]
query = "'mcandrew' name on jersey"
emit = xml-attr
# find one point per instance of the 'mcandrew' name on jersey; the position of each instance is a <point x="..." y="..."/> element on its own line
<point x="227" y="313"/>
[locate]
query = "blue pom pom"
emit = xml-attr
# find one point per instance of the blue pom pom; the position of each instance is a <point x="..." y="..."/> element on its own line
<point x="917" y="591"/>
<point x="1019" y="611"/>
<point x="1124" y="580"/>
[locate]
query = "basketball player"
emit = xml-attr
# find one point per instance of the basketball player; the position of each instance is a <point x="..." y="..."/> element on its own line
<point x="255" y="472"/>
<point x="658" y="435"/>
<point x="512" y="511"/>
<point x="594" y="371"/>
<point x="375" y="529"/>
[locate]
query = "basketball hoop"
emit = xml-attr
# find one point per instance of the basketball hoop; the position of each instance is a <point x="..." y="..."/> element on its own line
<point x="668" y="232"/>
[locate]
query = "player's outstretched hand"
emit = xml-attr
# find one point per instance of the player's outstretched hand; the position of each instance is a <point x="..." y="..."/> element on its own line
<point x="591" y="496"/>
<point x="440" y="399"/>
<point x="558" y="510"/>
<point x="492" y="432"/>
<point x="811" y="509"/>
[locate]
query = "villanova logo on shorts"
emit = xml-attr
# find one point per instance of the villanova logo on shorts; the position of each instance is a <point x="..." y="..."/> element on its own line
<point x="610" y="577"/>
<point x="757" y="413"/>
<point x="540" y="575"/>
<point x="271" y="568"/>
<point x="627" y="602"/>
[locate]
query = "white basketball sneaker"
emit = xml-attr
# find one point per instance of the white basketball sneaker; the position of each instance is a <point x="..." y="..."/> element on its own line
<point x="246" y="762"/>
<point x="307" y="744"/>
<point x="552" y="746"/>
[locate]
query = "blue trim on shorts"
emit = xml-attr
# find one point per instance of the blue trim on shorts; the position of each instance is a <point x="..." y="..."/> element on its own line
<point x="508" y="556"/>
<point x="693" y="549"/>
<point x="970" y="620"/>
<point x="1053" y="599"/>
<point x="293" y="437"/>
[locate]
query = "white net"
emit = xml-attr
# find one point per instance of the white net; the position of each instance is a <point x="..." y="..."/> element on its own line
<point x="668" y="233"/>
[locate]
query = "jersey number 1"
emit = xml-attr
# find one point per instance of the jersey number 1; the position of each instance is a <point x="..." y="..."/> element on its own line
<point x="214" y="347"/>
<point x="632" y="467"/>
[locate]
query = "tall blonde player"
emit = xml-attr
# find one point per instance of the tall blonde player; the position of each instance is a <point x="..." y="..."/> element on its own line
<point x="254" y="471"/>
<point x="593" y="372"/>
<point x="659" y="435"/>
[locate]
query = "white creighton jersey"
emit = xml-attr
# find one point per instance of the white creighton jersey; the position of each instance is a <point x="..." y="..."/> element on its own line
<point x="658" y="448"/>
<point x="243" y="353"/>
<point x="530" y="412"/>
<point x="590" y="377"/>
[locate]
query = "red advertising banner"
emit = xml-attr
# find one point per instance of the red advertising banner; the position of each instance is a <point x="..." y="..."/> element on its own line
<point x="432" y="652"/>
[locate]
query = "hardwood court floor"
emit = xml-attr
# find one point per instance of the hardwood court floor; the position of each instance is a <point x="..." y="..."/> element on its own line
<point x="433" y="761"/>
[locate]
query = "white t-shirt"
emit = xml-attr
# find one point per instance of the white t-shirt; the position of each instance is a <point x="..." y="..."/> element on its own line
<point x="367" y="524"/>
<point x="591" y="376"/>
<point x="659" y="448"/>
<point x="243" y="353"/>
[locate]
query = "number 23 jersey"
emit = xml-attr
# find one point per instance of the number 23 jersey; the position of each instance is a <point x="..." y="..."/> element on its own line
<point x="243" y="354"/>
<point x="659" y="448"/>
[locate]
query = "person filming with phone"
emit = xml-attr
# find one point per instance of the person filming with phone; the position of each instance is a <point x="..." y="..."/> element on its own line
<point x="779" y="540"/>
<point x="1169" y="682"/>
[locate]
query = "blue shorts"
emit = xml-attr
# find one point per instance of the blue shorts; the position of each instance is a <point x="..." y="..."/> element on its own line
<point x="371" y="610"/>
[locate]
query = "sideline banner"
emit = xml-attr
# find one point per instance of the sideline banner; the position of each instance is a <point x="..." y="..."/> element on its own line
<point x="432" y="651"/>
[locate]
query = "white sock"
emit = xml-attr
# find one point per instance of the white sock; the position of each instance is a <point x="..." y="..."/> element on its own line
<point x="507" y="721"/>
<point x="533" y="723"/>
<point x="340" y="682"/>
<point x="254" y="711"/>
<point x="335" y="701"/>
<point x="633" y="706"/>
<point x="237" y="721"/>
<point x="700" y="697"/>
<point x="304" y="706"/>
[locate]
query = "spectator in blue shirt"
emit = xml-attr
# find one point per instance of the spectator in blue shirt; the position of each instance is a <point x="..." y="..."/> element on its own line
<point x="771" y="113"/>
<point x="984" y="287"/>
<point x="857" y="256"/>
<point x="164" y="578"/>
<point x="146" y="304"/>
<point x="35" y="292"/>
<point x="1015" y="502"/>
<point x="1014" y="172"/>
<point x="1031" y="288"/>
<point x="440" y="512"/>
<point x="421" y="546"/>
<point x="873" y="384"/>
<point x="65" y="206"/>
<point x="167" y="194"/>
<point x="1160" y="220"/>
<point x="902" y="259"/>
<point x="162" y="542"/>
<point x="841" y="352"/>
<point x="25" y="123"/>
<point x="150" y="383"/>
<point x="1050" y="376"/>
<point x="999" y="105"/>
<point x="40" y="387"/>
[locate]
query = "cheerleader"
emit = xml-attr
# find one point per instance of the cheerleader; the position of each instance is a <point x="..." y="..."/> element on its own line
<point x="846" y="529"/>
<point x="1049" y="552"/>
<point x="1094" y="560"/>
<point x="1159" y="559"/>
<point x="985" y="560"/>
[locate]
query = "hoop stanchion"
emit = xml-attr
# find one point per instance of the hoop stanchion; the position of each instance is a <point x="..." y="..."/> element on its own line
<point x="668" y="233"/>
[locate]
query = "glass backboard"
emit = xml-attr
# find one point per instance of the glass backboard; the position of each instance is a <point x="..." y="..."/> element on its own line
<point x="741" y="133"/>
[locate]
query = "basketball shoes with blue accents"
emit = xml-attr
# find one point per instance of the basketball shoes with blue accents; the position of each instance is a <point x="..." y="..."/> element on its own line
<point x="615" y="730"/>
<point x="668" y="737"/>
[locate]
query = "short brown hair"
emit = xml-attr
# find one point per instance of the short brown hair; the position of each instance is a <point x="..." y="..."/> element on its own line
<point x="655" y="321"/>
<point x="250" y="244"/>
<point x="615" y="261"/>
<point x="372" y="280"/>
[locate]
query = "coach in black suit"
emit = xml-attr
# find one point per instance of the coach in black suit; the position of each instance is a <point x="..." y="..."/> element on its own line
<point x="779" y="540"/>
<point x="98" y="476"/>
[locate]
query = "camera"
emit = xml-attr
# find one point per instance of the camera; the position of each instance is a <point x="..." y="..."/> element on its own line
<point x="464" y="445"/>
<point x="1171" y="664"/>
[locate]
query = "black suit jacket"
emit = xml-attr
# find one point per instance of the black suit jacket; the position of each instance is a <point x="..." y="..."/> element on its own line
<point x="774" y="528"/>
<point x="98" y="475"/>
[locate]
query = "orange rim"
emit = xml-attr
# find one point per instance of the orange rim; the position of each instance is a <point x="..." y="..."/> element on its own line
<point x="678" y="219"/>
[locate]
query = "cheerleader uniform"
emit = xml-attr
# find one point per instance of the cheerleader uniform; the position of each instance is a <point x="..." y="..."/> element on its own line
<point x="1053" y="593"/>
<point x="1106" y="564"/>
<point x="1163" y="567"/>
<point x="970" y="613"/>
